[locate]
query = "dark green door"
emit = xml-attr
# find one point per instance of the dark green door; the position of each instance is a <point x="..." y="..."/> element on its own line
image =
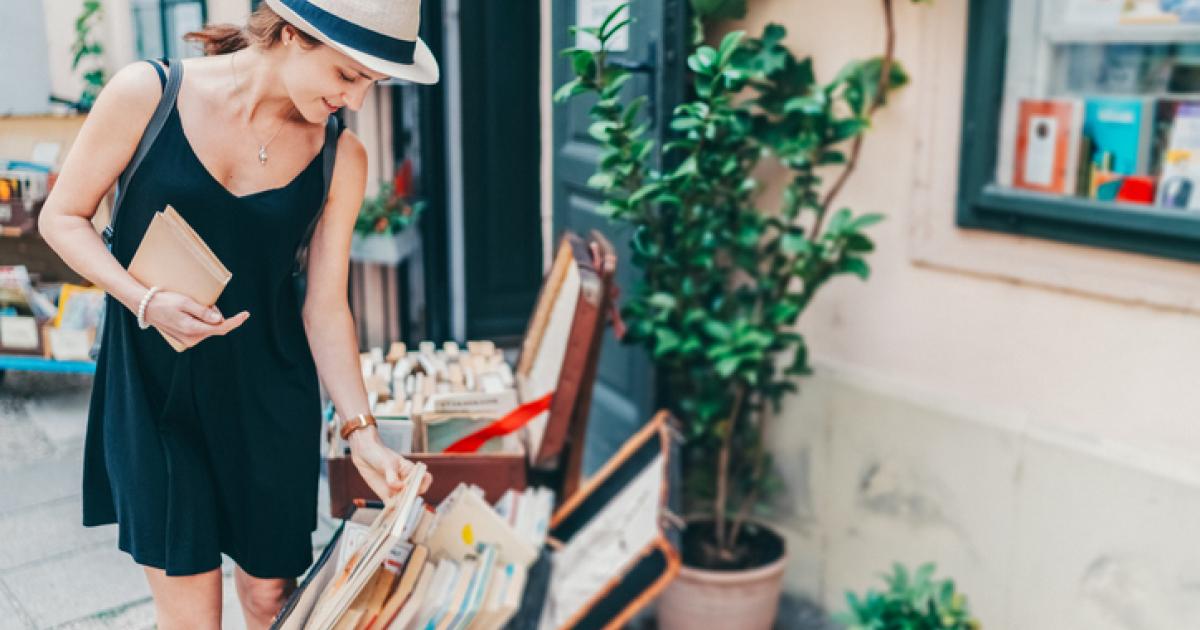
<point x="499" y="126"/>
<point x="624" y="396"/>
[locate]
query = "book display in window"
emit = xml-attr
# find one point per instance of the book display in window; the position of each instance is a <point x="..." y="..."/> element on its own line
<point x="1102" y="103"/>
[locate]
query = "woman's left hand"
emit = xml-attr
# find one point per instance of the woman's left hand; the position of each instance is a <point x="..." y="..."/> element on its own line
<point x="382" y="468"/>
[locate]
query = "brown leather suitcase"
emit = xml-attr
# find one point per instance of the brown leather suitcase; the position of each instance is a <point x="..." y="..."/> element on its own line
<point x="582" y="274"/>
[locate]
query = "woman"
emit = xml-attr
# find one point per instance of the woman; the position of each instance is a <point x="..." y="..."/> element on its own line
<point x="216" y="449"/>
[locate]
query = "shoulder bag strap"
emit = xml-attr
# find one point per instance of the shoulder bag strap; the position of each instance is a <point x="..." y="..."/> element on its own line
<point x="328" y="156"/>
<point x="170" y="93"/>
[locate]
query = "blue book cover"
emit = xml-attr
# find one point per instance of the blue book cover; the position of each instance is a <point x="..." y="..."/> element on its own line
<point x="1120" y="131"/>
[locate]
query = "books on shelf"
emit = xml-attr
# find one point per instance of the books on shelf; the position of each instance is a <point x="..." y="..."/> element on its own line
<point x="1179" y="180"/>
<point x="1047" y="144"/>
<point x="1119" y="130"/>
<point x="1137" y="150"/>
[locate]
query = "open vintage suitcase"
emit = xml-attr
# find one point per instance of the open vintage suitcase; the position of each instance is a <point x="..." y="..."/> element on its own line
<point x="612" y="547"/>
<point x="558" y="354"/>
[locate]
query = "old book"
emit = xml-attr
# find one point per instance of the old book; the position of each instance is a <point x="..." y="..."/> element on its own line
<point x="398" y="597"/>
<point x="1047" y="145"/>
<point x="172" y="256"/>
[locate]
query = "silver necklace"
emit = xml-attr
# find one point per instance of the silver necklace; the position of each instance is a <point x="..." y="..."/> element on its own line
<point x="262" y="146"/>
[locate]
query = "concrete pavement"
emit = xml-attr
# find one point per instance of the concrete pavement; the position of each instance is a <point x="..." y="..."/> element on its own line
<point x="55" y="573"/>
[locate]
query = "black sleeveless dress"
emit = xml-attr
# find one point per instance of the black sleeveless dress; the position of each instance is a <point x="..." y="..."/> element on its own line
<point x="217" y="448"/>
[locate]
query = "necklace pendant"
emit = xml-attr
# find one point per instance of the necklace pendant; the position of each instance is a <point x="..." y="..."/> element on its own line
<point x="262" y="155"/>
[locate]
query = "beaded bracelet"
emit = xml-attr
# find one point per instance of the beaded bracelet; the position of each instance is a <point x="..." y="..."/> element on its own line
<point x="141" y="314"/>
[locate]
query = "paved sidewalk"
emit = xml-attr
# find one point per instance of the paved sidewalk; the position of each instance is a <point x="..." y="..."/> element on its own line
<point x="55" y="573"/>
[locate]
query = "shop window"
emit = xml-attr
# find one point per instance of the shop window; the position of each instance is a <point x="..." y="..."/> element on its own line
<point x="159" y="25"/>
<point x="1081" y="123"/>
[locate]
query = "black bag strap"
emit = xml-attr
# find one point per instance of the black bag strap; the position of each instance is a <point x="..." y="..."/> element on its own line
<point x="170" y="93"/>
<point x="328" y="156"/>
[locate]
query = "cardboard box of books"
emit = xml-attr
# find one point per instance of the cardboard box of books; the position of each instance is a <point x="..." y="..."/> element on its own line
<point x="467" y="563"/>
<point x="469" y="415"/>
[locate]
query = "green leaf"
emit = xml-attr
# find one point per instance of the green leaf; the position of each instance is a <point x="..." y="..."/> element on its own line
<point x="600" y="181"/>
<point x="727" y="366"/>
<point x="799" y="366"/>
<point x="702" y="61"/>
<point x="848" y="128"/>
<point x="665" y="341"/>
<point x="567" y="90"/>
<point x="717" y="330"/>
<point x="865" y="221"/>
<point x="607" y="35"/>
<point x="796" y="244"/>
<point x="728" y="45"/>
<point x="612" y="15"/>
<point x="600" y="130"/>
<point x="812" y="105"/>
<point x="859" y="243"/>
<point x="661" y="300"/>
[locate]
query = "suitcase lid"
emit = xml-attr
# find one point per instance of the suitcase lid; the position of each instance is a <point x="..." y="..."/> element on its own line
<point x="561" y="346"/>
<point x="620" y="520"/>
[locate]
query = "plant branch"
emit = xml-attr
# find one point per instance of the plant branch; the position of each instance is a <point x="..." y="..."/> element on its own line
<point x="723" y="467"/>
<point x="885" y="70"/>
<point x="749" y="500"/>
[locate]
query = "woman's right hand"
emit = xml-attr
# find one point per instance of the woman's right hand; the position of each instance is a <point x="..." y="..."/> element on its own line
<point x="188" y="320"/>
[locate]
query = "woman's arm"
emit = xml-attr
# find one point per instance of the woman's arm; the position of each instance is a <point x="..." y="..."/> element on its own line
<point x="104" y="146"/>
<point x="329" y="325"/>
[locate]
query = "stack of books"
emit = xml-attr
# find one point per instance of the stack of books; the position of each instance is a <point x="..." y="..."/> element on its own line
<point x="426" y="399"/>
<point x="1128" y="149"/>
<point x="462" y="565"/>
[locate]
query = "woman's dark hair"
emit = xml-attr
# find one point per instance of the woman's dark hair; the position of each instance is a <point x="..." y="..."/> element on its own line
<point x="264" y="28"/>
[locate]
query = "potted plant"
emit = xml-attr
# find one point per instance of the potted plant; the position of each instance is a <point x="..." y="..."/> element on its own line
<point x="724" y="280"/>
<point x="912" y="600"/>
<point x="384" y="231"/>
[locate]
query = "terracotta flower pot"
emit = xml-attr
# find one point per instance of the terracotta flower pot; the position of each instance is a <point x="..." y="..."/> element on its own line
<point x="746" y="599"/>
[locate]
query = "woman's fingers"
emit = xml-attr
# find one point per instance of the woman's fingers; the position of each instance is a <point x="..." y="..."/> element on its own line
<point x="208" y="314"/>
<point x="233" y="322"/>
<point x="391" y="475"/>
<point x="426" y="481"/>
<point x="374" y="480"/>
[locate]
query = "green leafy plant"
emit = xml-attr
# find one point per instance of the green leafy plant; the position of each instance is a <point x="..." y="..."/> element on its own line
<point x="912" y="601"/>
<point x="88" y="53"/>
<point x="390" y="211"/>
<point x="724" y="280"/>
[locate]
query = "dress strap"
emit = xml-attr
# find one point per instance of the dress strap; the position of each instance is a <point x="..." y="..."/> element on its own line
<point x="165" y="104"/>
<point x="158" y="67"/>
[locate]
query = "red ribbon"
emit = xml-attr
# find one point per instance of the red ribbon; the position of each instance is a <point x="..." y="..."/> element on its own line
<point x="506" y="424"/>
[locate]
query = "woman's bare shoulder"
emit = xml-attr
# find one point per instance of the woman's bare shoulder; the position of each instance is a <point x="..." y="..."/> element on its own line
<point x="132" y="93"/>
<point x="350" y="165"/>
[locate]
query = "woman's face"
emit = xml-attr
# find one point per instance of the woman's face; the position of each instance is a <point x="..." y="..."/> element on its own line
<point x="322" y="80"/>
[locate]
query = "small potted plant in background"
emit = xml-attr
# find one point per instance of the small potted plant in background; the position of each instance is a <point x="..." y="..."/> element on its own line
<point x="725" y="279"/>
<point x="385" y="230"/>
<point x="913" y="601"/>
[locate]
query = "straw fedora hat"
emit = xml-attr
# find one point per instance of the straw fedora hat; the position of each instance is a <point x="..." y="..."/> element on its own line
<point x="379" y="34"/>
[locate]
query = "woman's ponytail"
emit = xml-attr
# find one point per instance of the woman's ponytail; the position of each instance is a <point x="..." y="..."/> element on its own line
<point x="264" y="28"/>
<point x="219" y="39"/>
